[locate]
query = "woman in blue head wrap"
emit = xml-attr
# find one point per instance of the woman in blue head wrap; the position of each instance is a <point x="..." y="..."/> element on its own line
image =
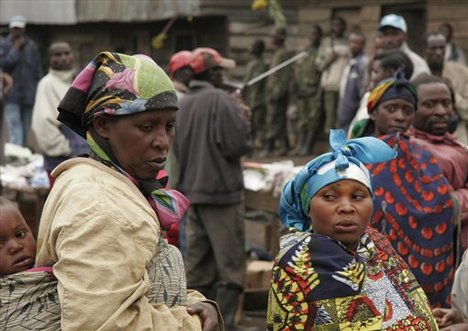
<point x="333" y="272"/>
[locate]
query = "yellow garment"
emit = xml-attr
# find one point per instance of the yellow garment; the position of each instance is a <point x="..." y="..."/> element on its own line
<point x="100" y="234"/>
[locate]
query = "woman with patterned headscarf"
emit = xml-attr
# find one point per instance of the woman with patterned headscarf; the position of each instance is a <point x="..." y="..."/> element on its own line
<point x="413" y="205"/>
<point x="333" y="272"/>
<point x="103" y="224"/>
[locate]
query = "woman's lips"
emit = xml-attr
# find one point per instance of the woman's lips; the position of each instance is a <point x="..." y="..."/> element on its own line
<point x="346" y="226"/>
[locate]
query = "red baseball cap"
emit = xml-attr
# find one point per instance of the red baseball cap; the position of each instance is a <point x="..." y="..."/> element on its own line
<point x="179" y="60"/>
<point x="205" y="58"/>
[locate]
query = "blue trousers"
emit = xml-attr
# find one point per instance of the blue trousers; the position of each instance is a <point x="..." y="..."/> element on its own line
<point x="18" y="119"/>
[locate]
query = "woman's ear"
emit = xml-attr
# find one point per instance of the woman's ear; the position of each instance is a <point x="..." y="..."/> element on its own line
<point x="101" y="125"/>
<point x="372" y="115"/>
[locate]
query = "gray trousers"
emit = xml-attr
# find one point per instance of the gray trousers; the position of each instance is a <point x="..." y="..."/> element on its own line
<point x="215" y="245"/>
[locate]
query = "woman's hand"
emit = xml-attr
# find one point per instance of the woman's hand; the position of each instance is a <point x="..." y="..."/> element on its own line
<point x="445" y="317"/>
<point x="207" y="313"/>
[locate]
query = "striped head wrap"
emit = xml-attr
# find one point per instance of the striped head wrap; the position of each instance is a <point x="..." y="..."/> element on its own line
<point x="389" y="89"/>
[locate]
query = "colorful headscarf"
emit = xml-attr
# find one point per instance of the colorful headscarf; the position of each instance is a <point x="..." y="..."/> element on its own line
<point x="389" y="89"/>
<point x="345" y="161"/>
<point x="118" y="84"/>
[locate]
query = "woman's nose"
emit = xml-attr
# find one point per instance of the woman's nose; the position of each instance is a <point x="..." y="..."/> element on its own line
<point x="346" y="206"/>
<point x="162" y="140"/>
<point x="399" y="115"/>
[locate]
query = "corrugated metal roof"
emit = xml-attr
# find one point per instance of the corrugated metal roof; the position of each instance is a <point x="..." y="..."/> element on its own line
<point x="77" y="11"/>
<point x="39" y="11"/>
<point x="134" y="11"/>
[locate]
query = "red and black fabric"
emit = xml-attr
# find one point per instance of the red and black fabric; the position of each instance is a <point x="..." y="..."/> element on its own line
<point x="413" y="206"/>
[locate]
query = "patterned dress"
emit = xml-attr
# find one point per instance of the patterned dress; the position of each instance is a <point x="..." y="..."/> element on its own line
<point x="413" y="207"/>
<point x="318" y="284"/>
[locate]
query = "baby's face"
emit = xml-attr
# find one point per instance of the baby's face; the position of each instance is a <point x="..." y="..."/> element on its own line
<point x="17" y="244"/>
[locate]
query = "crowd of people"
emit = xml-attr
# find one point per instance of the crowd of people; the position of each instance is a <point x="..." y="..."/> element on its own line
<point x="144" y="228"/>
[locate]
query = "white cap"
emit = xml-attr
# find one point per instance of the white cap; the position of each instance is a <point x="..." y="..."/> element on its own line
<point x="17" y="22"/>
<point x="394" y="21"/>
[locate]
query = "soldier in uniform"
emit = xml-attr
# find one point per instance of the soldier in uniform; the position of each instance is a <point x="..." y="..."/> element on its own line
<point x="278" y="88"/>
<point x="255" y="94"/>
<point x="308" y="95"/>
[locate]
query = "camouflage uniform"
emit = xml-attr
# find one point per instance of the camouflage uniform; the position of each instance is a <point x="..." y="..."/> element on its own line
<point x="277" y="94"/>
<point x="308" y="100"/>
<point x="255" y="97"/>
<point x="308" y="91"/>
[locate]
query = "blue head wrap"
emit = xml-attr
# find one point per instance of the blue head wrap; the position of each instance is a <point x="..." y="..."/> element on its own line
<point x="345" y="161"/>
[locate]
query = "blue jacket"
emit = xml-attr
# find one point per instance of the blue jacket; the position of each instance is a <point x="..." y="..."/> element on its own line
<point x="24" y="65"/>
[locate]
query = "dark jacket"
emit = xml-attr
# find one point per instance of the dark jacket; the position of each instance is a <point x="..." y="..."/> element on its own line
<point x="211" y="137"/>
<point x="24" y="65"/>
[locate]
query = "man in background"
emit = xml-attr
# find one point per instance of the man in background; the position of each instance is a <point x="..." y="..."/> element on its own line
<point x="456" y="73"/>
<point x="352" y="83"/>
<point x="308" y="94"/>
<point x="212" y="136"/>
<point x="56" y="141"/>
<point x="255" y="94"/>
<point x="332" y="60"/>
<point x="394" y="30"/>
<point x="20" y="59"/>
<point x="430" y="129"/>
<point x="453" y="53"/>
<point x="278" y="88"/>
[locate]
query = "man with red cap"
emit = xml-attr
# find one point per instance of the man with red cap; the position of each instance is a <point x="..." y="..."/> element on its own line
<point x="181" y="73"/>
<point x="212" y="136"/>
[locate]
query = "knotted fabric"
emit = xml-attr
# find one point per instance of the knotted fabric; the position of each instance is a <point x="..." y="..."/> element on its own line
<point x="345" y="161"/>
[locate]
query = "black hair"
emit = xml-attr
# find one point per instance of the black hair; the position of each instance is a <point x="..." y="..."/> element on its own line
<point x="205" y="75"/>
<point x="395" y="59"/>
<point x="341" y="20"/>
<point x="359" y="34"/>
<point x="258" y="47"/>
<point x="448" y="26"/>
<point x="424" y="79"/>
<point x="319" y="29"/>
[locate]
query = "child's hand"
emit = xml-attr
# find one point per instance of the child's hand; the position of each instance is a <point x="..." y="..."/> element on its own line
<point x="445" y="317"/>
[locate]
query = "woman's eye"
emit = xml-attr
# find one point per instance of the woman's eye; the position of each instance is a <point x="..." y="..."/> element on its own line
<point x="408" y="111"/>
<point x="146" y="127"/>
<point x="391" y="108"/>
<point x="170" y="127"/>
<point x="329" y="196"/>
